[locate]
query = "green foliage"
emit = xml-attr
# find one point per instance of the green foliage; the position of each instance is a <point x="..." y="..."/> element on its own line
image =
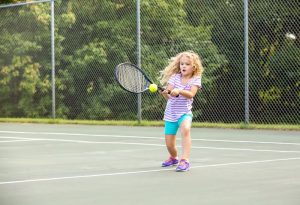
<point x="92" y="37"/>
<point x="9" y="1"/>
<point x="275" y="60"/>
<point x="21" y="83"/>
<point x="269" y="21"/>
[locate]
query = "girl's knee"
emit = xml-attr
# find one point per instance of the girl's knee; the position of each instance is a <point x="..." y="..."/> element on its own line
<point x="186" y="133"/>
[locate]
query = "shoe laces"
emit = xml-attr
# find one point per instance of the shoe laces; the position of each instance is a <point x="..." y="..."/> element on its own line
<point x="170" y="159"/>
<point x="183" y="162"/>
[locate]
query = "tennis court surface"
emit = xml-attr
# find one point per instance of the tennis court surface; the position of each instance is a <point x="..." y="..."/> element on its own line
<point x="43" y="164"/>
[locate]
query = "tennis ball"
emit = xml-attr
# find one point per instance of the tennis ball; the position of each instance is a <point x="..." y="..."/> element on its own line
<point x="153" y="88"/>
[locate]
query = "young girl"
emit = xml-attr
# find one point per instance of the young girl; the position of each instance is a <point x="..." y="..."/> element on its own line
<point x="182" y="78"/>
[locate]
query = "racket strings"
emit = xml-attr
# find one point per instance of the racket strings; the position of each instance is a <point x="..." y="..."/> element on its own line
<point x="131" y="78"/>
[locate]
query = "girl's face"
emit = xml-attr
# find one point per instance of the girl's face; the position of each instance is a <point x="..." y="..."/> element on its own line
<point x="186" y="66"/>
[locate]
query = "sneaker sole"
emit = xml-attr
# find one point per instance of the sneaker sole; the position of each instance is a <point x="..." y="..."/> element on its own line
<point x="172" y="165"/>
<point x="182" y="170"/>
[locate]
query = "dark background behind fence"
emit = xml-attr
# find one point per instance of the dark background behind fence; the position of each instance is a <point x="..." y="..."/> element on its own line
<point x="93" y="36"/>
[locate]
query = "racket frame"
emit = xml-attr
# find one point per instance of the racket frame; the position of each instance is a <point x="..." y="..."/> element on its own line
<point x="140" y="70"/>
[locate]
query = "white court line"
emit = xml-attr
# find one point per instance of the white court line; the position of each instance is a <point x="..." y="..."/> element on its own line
<point x="157" y="145"/>
<point x="246" y="141"/>
<point x="143" y="137"/>
<point x="145" y="171"/>
<point x="84" y="141"/>
<point x="8" y="141"/>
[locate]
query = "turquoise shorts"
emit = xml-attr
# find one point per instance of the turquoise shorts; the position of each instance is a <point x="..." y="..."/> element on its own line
<point x="172" y="127"/>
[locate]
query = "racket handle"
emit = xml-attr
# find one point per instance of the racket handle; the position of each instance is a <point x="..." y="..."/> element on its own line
<point x="163" y="89"/>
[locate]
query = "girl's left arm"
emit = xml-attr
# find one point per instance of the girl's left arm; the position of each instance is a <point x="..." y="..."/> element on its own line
<point x="189" y="94"/>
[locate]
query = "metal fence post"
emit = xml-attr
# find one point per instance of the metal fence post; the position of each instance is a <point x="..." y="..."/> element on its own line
<point x="246" y="37"/>
<point x="138" y="42"/>
<point x="53" y="59"/>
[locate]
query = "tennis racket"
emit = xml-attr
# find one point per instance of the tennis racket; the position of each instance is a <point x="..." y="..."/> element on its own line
<point x="132" y="79"/>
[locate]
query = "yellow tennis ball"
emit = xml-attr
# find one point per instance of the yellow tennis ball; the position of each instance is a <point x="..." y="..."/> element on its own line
<point x="152" y="88"/>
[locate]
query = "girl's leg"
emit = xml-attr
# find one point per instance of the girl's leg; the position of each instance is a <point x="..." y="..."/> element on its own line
<point x="185" y="130"/>
<point x="171" y="145"/>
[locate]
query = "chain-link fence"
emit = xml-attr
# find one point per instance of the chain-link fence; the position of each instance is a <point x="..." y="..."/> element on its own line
<point x="93" y="36"/>
<point x="25" y="61"/>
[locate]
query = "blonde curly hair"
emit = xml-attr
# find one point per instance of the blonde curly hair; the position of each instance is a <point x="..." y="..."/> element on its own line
<point x="174" y="66"/>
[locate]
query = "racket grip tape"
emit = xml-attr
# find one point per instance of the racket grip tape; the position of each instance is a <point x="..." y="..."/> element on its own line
<point x="162" y="89"/>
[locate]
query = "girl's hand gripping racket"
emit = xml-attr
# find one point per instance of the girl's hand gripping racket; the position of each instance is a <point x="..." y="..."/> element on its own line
<point x="133" y="79"/>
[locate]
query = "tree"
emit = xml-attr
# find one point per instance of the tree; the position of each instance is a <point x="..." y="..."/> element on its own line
<point x="25" y="65"/>
<point x="269" y="23"/>
<point x="24" y="86"/>
<point x="225" y="18"/>
<point x="275" y="60"/>
<point x="9" y="1"/>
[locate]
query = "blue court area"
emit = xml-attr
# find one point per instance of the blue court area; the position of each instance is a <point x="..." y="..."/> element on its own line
<point x="80" y="164"/>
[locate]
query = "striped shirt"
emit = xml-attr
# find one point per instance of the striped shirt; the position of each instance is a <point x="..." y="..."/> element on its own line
<point x="178" y="106"/>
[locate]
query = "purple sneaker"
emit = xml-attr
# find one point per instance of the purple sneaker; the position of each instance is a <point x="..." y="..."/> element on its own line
<point x="183" y="166"/>
<point x="170" y="162"/>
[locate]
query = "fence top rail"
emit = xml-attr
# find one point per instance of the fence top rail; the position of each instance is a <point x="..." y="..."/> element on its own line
<point x="23" y="3"/>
